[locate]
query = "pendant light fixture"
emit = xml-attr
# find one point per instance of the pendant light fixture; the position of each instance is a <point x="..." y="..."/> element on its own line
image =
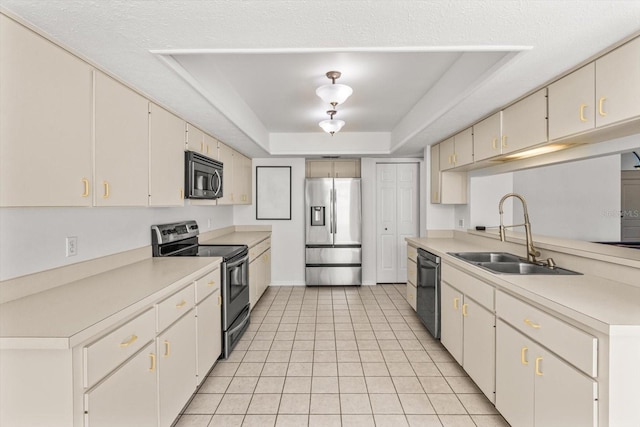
<point x="332" y="125"/>
<point x="333" y="93"/>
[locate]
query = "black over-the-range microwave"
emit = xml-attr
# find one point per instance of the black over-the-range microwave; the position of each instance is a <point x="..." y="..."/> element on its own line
<point x="203" y="177"/>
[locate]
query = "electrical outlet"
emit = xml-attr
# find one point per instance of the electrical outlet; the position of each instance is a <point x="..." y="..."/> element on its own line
<point x="72" y="246"/>
<point x="461" y="223"/>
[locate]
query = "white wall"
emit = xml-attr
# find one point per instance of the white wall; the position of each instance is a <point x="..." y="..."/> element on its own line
<point x="578" y="200"/>
<point x="287" y="237"/>
<point x="33" y="239"/>
<point x="485" y="194"/>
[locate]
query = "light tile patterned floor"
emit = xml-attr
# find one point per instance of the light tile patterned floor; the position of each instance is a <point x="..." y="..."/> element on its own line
<point x="338" y="356"/>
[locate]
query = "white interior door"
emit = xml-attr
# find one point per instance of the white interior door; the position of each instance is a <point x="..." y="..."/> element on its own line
<point x="397" y="218"/>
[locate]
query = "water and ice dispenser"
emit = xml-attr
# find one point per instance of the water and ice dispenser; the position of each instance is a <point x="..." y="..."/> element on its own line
<point x="317" y="215"/>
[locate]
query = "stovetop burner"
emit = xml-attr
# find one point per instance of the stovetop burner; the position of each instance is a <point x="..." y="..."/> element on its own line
<point x="181" y="239"/>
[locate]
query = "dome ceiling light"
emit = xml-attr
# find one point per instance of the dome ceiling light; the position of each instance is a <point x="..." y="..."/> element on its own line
<point x="332" y="125"/>
<point x="333" y="93"/>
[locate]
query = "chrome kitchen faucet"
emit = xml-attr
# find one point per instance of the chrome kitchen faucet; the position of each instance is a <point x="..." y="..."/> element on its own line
<point x="532" y="252"/>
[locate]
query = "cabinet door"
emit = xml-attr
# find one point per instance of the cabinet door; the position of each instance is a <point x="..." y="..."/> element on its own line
<point x="564" y="397"/>
<point x="195" y="139"/>
<point x="210" y="147"/>
<point x="319" y="169"/>
<point x="255" y="271"/>
<point x="128" y="397"/>
<point x="209" y="333"/>
<point x="225" y="155"/>
<point x="247" y="170"/>
<point x="446" y="154"/>
<point x="176" y="367"/>
<point x="618" y="84"/>
<point x="479" y="356"/>
<point x="515" y="358"/>
<point x="121" y="144"/>
<point x="524" y="124"/>
<point x="487" y="137"/>
<point x="239" y="193"/>
<point x="266" y="271"/>
<point x="45" y="129"/>
<point x="346" y="168"/>
<point x="463" y="147"/>
<point x="435" y="173"/>
<point x="453" y="187"/>
<point x="571" y="103"/>
<point x="166" y="142"/>
<point x="451" y="328"/>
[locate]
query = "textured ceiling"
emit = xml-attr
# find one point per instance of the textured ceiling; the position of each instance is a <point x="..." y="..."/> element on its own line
<point x="290" y="40"/>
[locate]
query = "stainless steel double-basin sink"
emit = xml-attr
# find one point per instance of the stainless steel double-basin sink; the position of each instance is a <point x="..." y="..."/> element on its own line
<point x="506" y="263"/>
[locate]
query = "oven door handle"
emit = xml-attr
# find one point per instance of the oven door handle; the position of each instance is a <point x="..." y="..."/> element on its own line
<point x="238" y="262"/>
<point x="241" y="325"/>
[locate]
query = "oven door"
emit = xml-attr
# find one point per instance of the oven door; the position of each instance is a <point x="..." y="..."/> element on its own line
<point x="235" y="281"/>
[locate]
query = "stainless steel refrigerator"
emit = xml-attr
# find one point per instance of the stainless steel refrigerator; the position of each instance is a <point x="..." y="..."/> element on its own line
<point x="333" y="230"/>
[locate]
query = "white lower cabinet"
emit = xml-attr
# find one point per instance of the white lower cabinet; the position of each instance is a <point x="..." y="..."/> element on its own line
<point x="468" y="333"/>
<point x="209" y="333"/>
<point x="128" y="397"/>
<point x="176" y="349"/>
<point x="259" y="270"/>
<point x="536" y="388"/>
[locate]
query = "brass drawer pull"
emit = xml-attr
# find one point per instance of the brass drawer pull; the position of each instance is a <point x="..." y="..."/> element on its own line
<point x="130" y="341"/>
<point x="181" y="304"/>
<point x="532" y="324"/>
<point x="211" y="283"/>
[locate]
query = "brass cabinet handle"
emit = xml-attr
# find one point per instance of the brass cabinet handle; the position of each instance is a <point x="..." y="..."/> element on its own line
<point x="85" y="181"/>
<point x="493" y="143"/>
<point x="182" y="193"/>
<point x="211" y="283"/>
<point x="130" y="341"/>
<point x="181" y="304"/>
<point x="219" y="300"/>
<point x="455" y="303"/>
<point x="532" y="324"/>
<point x="207" y="148"/>
<point x="523" y="356"/>
<point x="504" y="141"/>
<point x="538" y="371"/>
<point x="464" y="309"/>
<point x="105" y="184"/>
<point x="601" y="106"/>
<point x="153" y="362"/>
<point x="582" y="117"/>
<point x="167" y="348"/>
<point x="455" y="158"/>
<point x="202" y="146"/>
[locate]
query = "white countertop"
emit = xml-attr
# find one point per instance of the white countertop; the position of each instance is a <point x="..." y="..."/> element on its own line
<point x="67" y="315"/>
<point x="603" y="304"/>
<point x="249" y="238"/>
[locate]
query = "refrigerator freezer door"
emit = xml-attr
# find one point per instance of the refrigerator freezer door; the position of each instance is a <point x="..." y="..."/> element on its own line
<point x="333" y="276"/>
<point x="333" y="256"/>
<point x="318" y="198"/>
<point x="347" y="212"/>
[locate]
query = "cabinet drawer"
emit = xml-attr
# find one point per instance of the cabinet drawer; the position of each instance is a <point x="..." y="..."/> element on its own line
<point x="170" y="309"/>
<point x="258" y="249"/>
<point x="412" y="253"/>
<point x="411" y="295"/>
<point x="105" y="354"/>
<point x="576" y="346"/>
<point x="412" y="272"/>
<point x="474" y="288"/>
<point x="206" y="285"/>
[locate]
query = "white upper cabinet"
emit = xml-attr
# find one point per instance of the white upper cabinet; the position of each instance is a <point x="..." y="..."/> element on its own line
<point x="45" y="125"/>
<point x="487" y="136"/>
<point x="457" y="150"/>
<point x="571" y="103"/>
<point x="225" y="155"/>
<point x="600" y="93"/>
<point x="618" y="84"/>
<point x="524" y="124"/>
<point x="195" y="139"/>
<point x="121" y="144"/>
<point x="435" y="173"/>
<point x="166" y="170"/>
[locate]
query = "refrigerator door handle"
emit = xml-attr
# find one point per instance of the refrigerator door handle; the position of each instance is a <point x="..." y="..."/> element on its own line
<point x="331" y="212"/>
<point x="335" y="211"/>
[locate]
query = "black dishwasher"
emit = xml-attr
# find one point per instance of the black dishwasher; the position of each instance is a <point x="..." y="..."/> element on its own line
<point x="428" y="292"/>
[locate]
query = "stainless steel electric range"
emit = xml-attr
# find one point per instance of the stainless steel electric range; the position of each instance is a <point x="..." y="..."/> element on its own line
<point x="181" y="239"/>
